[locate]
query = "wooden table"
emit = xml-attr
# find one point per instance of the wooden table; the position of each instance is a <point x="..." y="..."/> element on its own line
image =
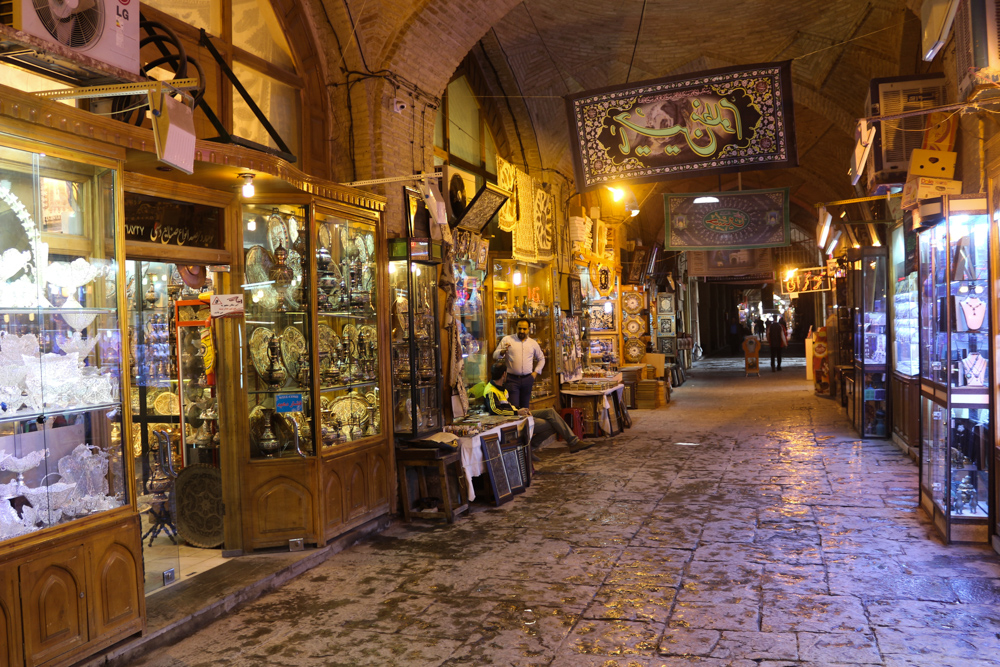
<point x="421" y="459"/>
<point x="604" y="412"/>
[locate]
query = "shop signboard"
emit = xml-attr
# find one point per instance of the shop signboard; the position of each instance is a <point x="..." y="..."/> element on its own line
<point x="727" y="220"/>
<point x="719" y="120"/>
<point x="815" y="279"/>
<point x="174" y="223"/>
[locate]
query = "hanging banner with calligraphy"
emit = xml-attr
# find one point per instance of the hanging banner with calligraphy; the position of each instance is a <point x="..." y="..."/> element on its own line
<point x="720" y="120"/>
<point x="727" y="220"/>
<point x="741" y="262"/>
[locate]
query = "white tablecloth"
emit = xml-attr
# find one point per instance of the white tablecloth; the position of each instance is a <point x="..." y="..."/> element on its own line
<point x="603" y="418"/>
<point x="472" y="450"/>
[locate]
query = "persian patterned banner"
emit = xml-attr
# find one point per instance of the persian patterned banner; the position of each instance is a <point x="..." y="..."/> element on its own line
<point x="727" y="220"/>
<point x="721" y="120"/>
<point x="729" y="262"/>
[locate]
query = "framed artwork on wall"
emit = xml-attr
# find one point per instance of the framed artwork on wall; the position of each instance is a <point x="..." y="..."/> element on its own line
<point x="667" y="327"/>
<point x="665" y="303"/>
<point x="668" y="346"/>
<point x="575" y="296"/>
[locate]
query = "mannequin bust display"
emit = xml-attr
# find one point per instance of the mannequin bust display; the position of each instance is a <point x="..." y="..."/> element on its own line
<point x="975" y="370"/>
<point x="974" y="310"/>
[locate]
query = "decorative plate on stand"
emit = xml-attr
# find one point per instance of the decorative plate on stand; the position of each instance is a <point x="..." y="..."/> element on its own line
<point x="632" y="302"/>
<point x="259" y="339"/>
<point x="635" y="350"/>
<point x="198" y="493"/>
<point x="351" y="409"/>
<point x="293" y="344"/>
<point x="277" y="233"/>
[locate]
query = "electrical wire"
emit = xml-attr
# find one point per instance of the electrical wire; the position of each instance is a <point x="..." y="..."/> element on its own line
<point x="638" y="31"/>
<point x="111" y="113"/>
<point x="854" y="39"/>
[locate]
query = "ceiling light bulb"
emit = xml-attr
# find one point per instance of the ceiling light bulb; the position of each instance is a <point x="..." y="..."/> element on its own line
<point x="617" y="194"/>
<point x="251" y="223"/>
<point x="248" y="188"/>
<point x="635" y="212"/>
<point x="517" y="278"/>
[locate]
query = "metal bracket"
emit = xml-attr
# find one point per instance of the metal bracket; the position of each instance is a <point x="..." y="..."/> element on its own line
<point x="178" y="86"/>
<point x="225" y="136"/>
<point x="392" y="179"/>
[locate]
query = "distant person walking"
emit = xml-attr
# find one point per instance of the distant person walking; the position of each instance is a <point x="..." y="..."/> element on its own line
<point x="776" y="339"/>
<point x="758" y="328"/>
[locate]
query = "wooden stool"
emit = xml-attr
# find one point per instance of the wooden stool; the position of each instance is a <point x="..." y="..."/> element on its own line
<point x="574" y="419"/>
<point x="431" y="458"/>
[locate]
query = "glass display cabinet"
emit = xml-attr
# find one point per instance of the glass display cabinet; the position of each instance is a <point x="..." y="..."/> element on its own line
<point x="347" y="306"/>
<point x="278" y="330"/>
<point x="470" y="313"/>
<point x="869" y="280"/>
<point x="61" y="455"/>
<point x="415" y="331"/>
<point x="317" y="461"/>
<point x="905" y="333"/>
<point x="70" y="561"/>
<point x="956" y="402"/>
<point x="523" y="291"/>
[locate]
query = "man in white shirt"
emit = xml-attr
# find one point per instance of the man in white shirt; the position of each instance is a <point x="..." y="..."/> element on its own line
<point x="524" y="359"/>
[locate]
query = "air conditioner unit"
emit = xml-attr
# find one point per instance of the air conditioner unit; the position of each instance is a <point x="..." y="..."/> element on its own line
<point x="977" y="56"/>
<point x="104" y="30"/>
<point x="896" y="139"/>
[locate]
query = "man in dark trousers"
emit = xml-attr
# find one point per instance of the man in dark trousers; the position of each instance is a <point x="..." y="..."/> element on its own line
<point x="776" y="340"/>
<point x="498" y="403"/>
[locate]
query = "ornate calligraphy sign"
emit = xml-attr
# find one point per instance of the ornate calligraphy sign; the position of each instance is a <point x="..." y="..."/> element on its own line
<point x="816" y="279"/>
<point x="727" y="220"/>
<point x="170" y="222"/>
<point x="721" y="120"/>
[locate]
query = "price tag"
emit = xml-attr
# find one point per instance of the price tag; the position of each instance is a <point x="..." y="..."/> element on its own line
<point x="226" y="305"/>
<point x="288" y="403"/>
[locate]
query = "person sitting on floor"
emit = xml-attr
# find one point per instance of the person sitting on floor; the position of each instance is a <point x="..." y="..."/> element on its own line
<point x="497" y="402"/>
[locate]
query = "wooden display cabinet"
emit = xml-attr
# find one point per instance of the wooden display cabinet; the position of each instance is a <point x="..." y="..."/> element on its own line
<point x="70" y="561"/>
<point x="326" y="309"/>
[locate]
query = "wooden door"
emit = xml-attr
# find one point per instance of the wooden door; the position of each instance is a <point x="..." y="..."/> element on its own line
<point x="10" y="617"/>
<point x="53" y="605"/>
<point x="115" y="583"/>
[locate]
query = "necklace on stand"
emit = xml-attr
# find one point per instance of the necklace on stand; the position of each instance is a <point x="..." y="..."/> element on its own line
<point x="975" y="370"/>
<point x="975" y="312"/>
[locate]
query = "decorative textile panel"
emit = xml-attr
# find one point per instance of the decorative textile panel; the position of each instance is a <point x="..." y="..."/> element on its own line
<point x="525" y="245"/>
<point x="507" y="179"/>
<point x="544" y="212"/>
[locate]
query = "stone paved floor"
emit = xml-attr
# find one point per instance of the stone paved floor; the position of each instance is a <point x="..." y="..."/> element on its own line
<point x="771" y="537"/>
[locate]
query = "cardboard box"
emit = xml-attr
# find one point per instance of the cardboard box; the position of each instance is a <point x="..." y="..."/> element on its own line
<point x="932" y="164"/>
<point x="924" y="188"/>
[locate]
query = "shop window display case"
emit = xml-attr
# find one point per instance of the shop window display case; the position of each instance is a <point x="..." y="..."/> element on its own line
<point x="523" y="291"/>
<point x="68" y="531"/>
<point x="869" y="280"/>
<point x="316" y="447"/>
<point x="347" y="301"/>
<point x="279" y="331"/>
<point x="470" y="313"/>
<point x="956" y="401"/>
<point x="415" y="330"/>
<point x="905" y="333"/>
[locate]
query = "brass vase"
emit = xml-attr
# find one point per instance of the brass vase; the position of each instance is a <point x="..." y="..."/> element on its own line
<point x="268" y="444"/>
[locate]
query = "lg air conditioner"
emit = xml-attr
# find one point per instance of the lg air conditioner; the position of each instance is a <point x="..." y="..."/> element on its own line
<point x="103" y="30"/>
<point x="895" y="139"/>
<point x="977" y="57"/>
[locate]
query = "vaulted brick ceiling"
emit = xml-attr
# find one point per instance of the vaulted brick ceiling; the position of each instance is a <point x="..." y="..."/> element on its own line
<point x="541" y="50"/>
<point x="556" y="47"/>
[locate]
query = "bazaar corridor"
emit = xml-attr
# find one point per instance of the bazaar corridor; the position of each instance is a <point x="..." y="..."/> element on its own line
<point x="744" y="524"/>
